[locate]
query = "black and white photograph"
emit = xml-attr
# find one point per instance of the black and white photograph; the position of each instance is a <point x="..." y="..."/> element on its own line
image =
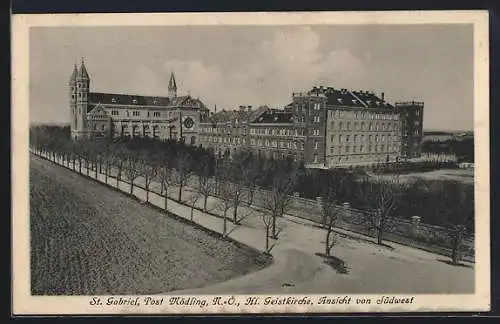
<point x="251" y="165"/>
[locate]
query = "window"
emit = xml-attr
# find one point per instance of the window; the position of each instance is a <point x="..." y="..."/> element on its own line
<point x="340" y="138"/>
<point x="347" y="138"/>
<point x="347" y="149"/>
<point x="332" y="138"/>
<point x="340" y="125"/>
<point x="316" y="119"/>
<point x="315" y="145"/>
<point x="348" y="125"/>
<point x="136" y="113"/>
<point x="355" y="138"/>
<point x="115" y="113"/>
<point x="156" y="114"/>
<point x="317" y="106"/>
<point x="355" y="125"/>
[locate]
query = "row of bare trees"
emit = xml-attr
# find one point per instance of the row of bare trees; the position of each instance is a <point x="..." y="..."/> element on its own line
<point x="233" y="181"/>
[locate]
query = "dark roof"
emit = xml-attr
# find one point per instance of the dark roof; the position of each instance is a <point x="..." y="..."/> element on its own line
<point x="229" y="116"/>
<point x="124" y="99"/>
<point x="274" y="116"/>
<point x="351" y="98"/>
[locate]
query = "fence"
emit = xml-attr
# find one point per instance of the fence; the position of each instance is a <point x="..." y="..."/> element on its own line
<point x="410" y="232"/>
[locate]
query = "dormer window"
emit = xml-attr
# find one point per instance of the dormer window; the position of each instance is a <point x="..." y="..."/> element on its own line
<point x="275" y="118"/>
<point x="368" y="102"/>
<point x="339" y="100"/>
<point x="354" y="101"/>
<point x="134" y="101"/>
<point x="155" y="102"/>
<point x="260" y="119"/>
<point x="113" y="100"/>
<point x="377" y="103"/>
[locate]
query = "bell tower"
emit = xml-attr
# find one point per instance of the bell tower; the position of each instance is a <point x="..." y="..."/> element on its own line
<point x="72" y="101"/>
<point x="82" y="102"/>
<point x="172" y="87"/>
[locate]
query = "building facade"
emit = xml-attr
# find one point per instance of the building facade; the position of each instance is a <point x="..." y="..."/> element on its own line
<point x="412" y="116"/>
<point x="267" y="132"/>
<point x="324" y="127"/>
<point x="97" y="114"/>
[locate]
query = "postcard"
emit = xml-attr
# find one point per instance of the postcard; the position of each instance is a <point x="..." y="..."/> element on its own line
<point x="285" y="162"/>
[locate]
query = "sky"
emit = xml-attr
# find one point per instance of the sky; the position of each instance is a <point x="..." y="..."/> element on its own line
<point x="228" y="66"/>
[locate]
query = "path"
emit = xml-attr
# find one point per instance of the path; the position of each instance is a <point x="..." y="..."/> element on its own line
<point x="372" y="269"/>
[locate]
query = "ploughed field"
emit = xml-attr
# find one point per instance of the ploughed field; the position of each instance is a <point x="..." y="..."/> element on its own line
<point x="87" y="239"/>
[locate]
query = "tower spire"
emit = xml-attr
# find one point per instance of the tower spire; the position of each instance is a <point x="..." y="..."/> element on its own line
<point x="172" y="86"/>
<point x="74" y="74"/>
<point x="82" y="73"/>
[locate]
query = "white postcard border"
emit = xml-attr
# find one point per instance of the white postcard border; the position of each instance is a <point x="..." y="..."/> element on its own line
<point x="24" y="303"/>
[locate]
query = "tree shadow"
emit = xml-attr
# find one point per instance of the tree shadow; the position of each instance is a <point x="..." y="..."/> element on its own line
<point x="335" y="263"/>
<point x="460" y="264"/>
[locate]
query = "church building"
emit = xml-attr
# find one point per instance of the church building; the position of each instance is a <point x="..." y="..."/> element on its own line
<point x="98" y="114"/>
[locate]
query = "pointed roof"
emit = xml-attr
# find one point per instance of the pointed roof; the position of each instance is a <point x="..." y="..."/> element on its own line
<point x="82" y="73"/>
<point x="172" y="84"/>
<point x="74" y="74"/>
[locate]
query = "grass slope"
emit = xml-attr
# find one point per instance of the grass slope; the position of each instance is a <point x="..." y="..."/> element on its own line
<point x="87" y="239"/>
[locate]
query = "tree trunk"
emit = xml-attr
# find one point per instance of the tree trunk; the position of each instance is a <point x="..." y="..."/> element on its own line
<point x="95" y="171"/>
<point x="192" y="211"/>
<point x="165" y="203"/>
<point x="74" y="165"/>
<point x="205" y="198"/>
<point x="180" y="192"/>
<point x="147" y="191"/>
<point x="106" y="171"/>
<point x="456" y="255"/>
<point x="118" y="180"/>
<point x="267" y="238"/>
<point x="131" y="186"/>
<point x="235" y="214"/>
<point x="380" y="235"/>
<point x="225" y="223"/>
<point x="327" y="243"/>
<point x="87" y="167"/>
<point x="275" y="236"/>
<point x="80" y="165"/>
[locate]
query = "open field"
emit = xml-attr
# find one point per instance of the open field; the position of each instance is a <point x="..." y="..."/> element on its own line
<point x="461" y="175"/>
<point x="87" y="239"/>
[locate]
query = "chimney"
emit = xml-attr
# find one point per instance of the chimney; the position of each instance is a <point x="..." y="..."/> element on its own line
<point x="382" y="96"/>
<point x="242" y="108"/>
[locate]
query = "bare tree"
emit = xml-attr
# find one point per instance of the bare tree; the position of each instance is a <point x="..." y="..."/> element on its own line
<point x="131" y="170"/>
<point x="278" y="198"/>
<point x="165" y="177"/>
<point x="381" y="198"/>
<point x="183" y="168"/>
<point x="192" y="200"/>
<point x="148" y="170"/>
<point x="457" y="203"/>
<point x="329" y="216"/>
<point x="225" y="201"/>
<point x="206" y="188"/>
<point x="267" y="219"/>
